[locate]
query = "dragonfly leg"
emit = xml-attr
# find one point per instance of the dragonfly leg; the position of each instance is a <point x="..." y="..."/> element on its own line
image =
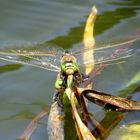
<point x="58" y="98"/>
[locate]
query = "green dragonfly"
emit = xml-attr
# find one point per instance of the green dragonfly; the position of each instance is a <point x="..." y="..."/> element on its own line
<point x="68" y="64"/>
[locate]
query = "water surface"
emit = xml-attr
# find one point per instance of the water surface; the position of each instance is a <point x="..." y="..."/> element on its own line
<point x="25" y="90"/>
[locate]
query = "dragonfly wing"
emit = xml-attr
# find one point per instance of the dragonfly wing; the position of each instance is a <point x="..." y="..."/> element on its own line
<point x="114" y="55"/>
<point x="38" y="55"/>
<point x="111" y="54"/>
<point x="40" y="62"/>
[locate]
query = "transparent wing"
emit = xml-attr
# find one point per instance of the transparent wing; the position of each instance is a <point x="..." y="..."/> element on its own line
<point x="110" y="54"/>
<point x="46" y="56"/>
<point x="114" y="53"/>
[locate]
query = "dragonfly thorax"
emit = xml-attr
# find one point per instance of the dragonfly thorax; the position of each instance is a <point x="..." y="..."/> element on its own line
<point x="68" y="64"/>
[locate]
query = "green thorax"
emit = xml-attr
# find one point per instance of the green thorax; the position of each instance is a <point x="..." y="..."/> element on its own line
<point x="69" y="66"/>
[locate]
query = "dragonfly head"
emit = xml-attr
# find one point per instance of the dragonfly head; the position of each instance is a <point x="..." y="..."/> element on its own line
<point x="67" y="52"/>
<point x="68" y="64"/>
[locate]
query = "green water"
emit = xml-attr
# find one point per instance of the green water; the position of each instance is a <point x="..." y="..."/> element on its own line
<point x="25" y="90"/>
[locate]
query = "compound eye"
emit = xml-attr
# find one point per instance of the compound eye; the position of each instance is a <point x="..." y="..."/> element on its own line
<point x="67" y="52"/>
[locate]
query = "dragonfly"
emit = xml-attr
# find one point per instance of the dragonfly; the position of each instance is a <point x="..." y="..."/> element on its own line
<point x="71" y="81"/>
<point x="48" y="56"/>
<point x="67" y="63"/>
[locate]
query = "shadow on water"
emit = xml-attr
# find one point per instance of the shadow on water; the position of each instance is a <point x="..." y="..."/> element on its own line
<point x="104" y="21"/>
<point x="126" y="3"/>
<point x="10" y="67"/>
